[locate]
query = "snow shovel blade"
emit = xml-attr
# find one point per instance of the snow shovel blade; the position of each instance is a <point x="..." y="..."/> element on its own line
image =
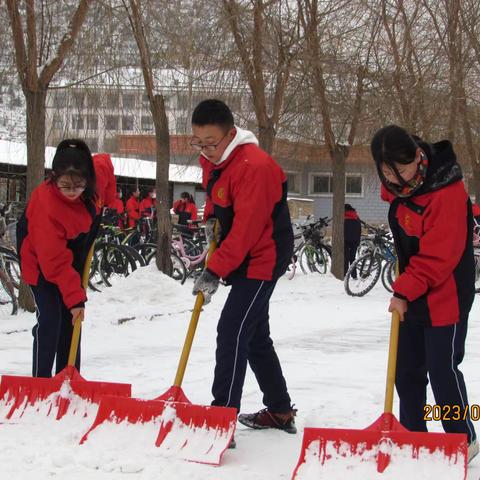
<point x="183" y="430"/>
<point x="333" y="453"/>
<point x="64" y="392"/>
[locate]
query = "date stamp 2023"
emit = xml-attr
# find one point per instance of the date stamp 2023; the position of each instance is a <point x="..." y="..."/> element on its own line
<point x="446" y="413"/>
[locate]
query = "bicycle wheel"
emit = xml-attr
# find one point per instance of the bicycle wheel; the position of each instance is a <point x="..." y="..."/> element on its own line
<point x="321" y="259"/>
<point x="477" y="270"/>
<point x="8" y="298"/>
<point x="362" y="275"/>
<point x="114" y="261"/>
<point x="388" y="275"/>
<point x="179" y="271"/>
<point x="306" y="259"/>
<point x="147" y="251"/>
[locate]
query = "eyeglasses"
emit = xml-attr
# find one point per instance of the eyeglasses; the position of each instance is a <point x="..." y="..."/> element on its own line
<point x="210" y="147"/>
<point x="74" y="189"/>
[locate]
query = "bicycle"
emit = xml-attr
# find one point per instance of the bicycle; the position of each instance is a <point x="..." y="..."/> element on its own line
<point x="377" y="259"/>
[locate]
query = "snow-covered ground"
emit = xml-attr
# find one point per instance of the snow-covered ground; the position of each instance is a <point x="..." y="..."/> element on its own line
<point x="332" y="348"/>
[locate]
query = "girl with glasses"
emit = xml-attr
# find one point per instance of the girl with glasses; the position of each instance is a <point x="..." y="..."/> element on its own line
<point x="54" y="235"/>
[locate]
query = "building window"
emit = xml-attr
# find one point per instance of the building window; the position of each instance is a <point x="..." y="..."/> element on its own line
<point x="127" y="122"/>
<point x="92" y="122"/>
<point x="354" y="185"/>
<point x="113" y="100"/>
<point x="60" y="100"/>
<point x="111" y="122"/>
<point x="129" y="101"/>
<point x="92" y="144"/>
<point x="293" y="180"/>
<point x="57" y="123"/>
<point x="94" y="100"/>
<point x="77" y="122"/>
<point x="78" y="100"/>
<point x="147" y="123"/>
<point x="322" y="184"/>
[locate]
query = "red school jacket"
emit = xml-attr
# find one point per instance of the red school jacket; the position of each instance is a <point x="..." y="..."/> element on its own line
<point x="133" y="210"/>
<point x="247" y="193"/>
<point x="433" y="232"/>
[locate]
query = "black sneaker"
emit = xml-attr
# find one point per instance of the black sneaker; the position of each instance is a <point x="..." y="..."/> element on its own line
<point x="232" y="444"/>
<point x="265" y="419"/>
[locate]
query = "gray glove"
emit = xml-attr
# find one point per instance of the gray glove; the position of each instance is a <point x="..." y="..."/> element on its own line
<point x="210" y="230"/>
<point x="207" y="283"/>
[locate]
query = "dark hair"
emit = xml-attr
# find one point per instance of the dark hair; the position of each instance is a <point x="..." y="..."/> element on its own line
<point x="393" y="144"/>
<point x="73" y="158"/>
<point x="213" y="112"/>
<point x="349" y="208"/>
<point x="187" y="196"/>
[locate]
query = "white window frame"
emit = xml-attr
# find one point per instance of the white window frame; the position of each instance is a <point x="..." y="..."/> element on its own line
<point x="329" y="195"/>
<point x="293" y="172"/>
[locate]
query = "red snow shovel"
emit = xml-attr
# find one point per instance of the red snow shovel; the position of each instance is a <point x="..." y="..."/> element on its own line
<point x="384" y="446"/>
<point x="192" y="432"/>
<point x="61" y="392"/>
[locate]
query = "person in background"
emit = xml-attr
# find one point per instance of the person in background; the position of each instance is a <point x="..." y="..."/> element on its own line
<point x="119" y="208"/>
<point x="133" y="208"/>
<point x="247" y="196"/>
<point x="147" y="204"/>
<point x="431" y="221"/>
<point x="54" y="235"/>
<point x="352" y="231"/>
<point x="185" y="208"/>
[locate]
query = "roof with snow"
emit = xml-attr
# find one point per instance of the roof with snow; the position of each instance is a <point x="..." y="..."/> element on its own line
<point x="15" y="153"/>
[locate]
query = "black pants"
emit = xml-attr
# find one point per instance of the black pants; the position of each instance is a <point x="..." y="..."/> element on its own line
<point x="243" y="334"/>
<point x="349" y="253"/>
<point x="52" y="334"/>
<point x="437" y="351"/>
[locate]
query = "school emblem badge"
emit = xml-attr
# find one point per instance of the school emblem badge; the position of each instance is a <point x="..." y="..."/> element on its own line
<point x="221" y="193"/>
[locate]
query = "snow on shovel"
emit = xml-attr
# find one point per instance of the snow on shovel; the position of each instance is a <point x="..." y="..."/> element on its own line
<point x="191" y="432"/>
<point x="385" y="449"/>
<point x="66" y="391"/>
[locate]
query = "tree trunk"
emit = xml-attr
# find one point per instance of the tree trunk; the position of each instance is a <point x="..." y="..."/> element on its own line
<point x="36" y="101"/>
<point x="164" y="224"/>
<point x="35" y="165"/>
<point x="266" y="137"/>
<point x="338" y="210"/>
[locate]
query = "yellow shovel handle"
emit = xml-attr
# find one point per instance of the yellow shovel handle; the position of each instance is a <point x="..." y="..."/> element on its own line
<point x="392" y="362"/>
<point x="72" y="356"/>
<point x="192" y="327"/>
<point x="392" y="357"/>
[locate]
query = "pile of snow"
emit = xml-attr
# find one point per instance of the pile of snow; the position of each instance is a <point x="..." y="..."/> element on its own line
<point x="333" y="351"/>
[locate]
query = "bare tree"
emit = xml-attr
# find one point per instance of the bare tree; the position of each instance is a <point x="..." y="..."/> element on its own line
<point x="337" y="54"/>
<point x="157" y="108"/>
<point x="267" y="38"/>
<point x="37" y="61"/>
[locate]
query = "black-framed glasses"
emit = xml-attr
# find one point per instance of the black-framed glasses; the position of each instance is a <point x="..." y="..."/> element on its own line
<point x="210" y="147"/>
<point x="73" y="189"/>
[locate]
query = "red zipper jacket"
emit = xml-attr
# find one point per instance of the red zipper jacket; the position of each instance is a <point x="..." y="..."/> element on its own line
<point x="106" y="184"/>
<point x="247" y="193"/>
<point x="53" y="238"/>
<point x="433" y="231"/>
<point x="185" y="210"/>
<point x="133" y="210"/>
<point x="55" y="234"/>
<point x="145" y="206"/>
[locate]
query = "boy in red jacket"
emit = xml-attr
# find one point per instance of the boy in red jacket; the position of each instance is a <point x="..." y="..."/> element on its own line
<point x="431" y="221"/>
<point x="247" y="195"/>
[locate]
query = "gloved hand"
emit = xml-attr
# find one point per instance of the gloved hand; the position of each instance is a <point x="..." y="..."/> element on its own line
<point x="207" y="283"/>
<point x="210" y="230"/>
